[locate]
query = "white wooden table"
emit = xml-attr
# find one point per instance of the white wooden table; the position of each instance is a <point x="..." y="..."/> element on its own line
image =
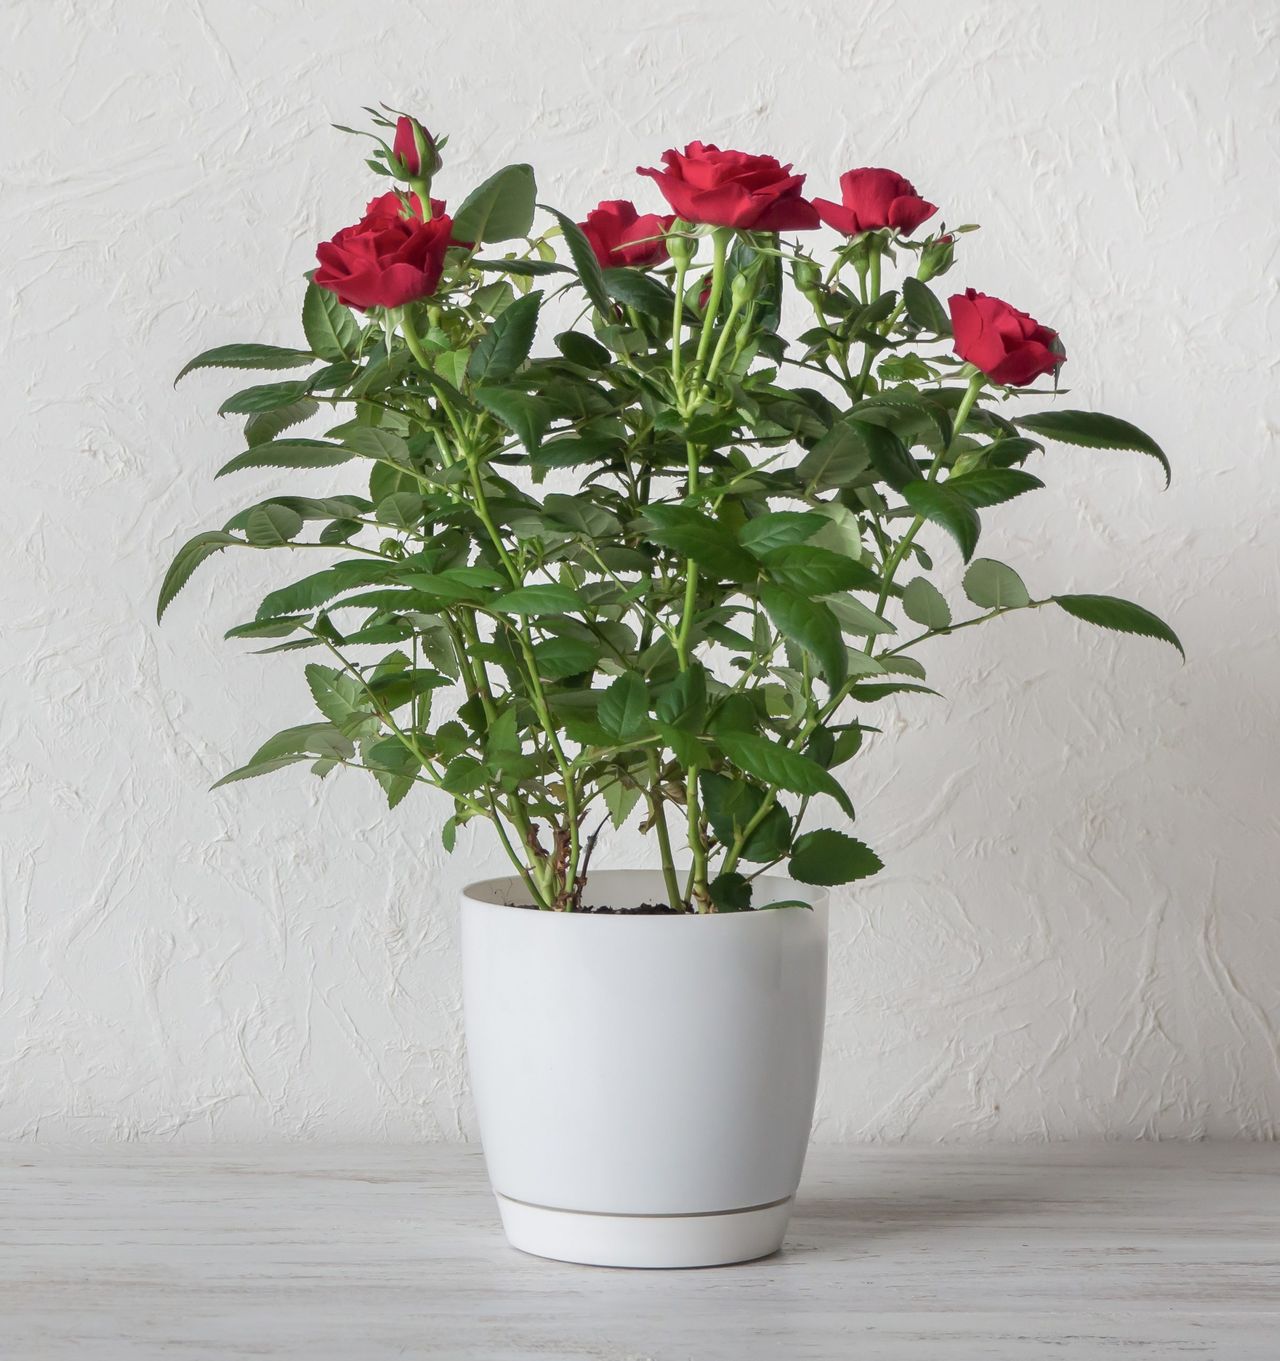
<point x="358" y="1254"/>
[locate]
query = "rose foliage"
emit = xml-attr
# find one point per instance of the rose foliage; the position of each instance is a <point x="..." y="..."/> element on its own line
<point x="671" y="561"/>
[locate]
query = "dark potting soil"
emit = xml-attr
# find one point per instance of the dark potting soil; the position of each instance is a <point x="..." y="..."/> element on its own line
<point x="644" y="910"/>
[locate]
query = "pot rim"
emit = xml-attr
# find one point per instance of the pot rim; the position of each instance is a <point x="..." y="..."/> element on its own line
<point x="503" y="891"/>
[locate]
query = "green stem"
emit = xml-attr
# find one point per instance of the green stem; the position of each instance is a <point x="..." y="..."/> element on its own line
<point x="657" y="810"/>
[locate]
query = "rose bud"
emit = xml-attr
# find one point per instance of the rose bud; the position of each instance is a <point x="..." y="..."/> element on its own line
<point x="872" y="200"/>
<point x="937" y="257"/>
<point x="414" y="153"/>
<point x="618" y="235"/>
<point x="1010" y="347"/>
<point x="733" y="189"/>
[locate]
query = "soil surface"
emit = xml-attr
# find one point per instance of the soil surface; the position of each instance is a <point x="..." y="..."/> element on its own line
<point x="644" y="910"/>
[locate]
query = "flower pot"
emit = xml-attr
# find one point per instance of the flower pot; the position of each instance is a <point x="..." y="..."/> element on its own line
<point x="644" y="1084"/>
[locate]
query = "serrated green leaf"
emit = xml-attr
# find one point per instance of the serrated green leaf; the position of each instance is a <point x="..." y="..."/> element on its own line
<point x="780" y="528"/>
<point x="538" y="600"/>
<point x="271" y="525"/>
<point x="780" y="766"/>
<point x="186" y="560"/>
<point x="813" y="571"/>
<point x="1093" y="430"/>
<point x="923" y="307"/>
<point x="331" y="330"/>
<point x="810" y="625"/>
<point x="528" y="416"/>
<point x="730" y="892"/>
<point x="994" y="586"/>
<point x="584" y="262"/>
<point x="855" y="617"/>
<point x="506" y="344"/>
<point x="266" y="425"/>
<point x="1109" y="612"/>
<point x="624" y="707"/>
<point x="828" y="857"/>
<point x="992" y="486"/>
<point x="635" y="288"/>
<point x="296" y="453"/>
<point x="263" y="397"/>
<point x="937" y="502"/>
<point x="499" y="209"/>
<point x="246" y="357"/>
<point x="923" y="602"/>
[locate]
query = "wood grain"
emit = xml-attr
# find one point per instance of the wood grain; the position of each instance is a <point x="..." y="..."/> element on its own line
<point x="1089" y="1251"/>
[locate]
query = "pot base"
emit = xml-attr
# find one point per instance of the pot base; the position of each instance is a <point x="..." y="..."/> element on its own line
<point x="674" y="1240"/>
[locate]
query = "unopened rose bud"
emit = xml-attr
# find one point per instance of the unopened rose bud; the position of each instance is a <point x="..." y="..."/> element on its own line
<point x="740" y="290"/>
<point x="808" y="276"/>
<point x="680" y="247"/>
<point x="414" y="153"/>
<point x="937" y="257"/>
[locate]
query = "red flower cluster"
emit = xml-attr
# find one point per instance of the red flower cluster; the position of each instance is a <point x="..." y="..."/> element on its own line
<point x="873" y="199"/>
<point x="387" y="259"/>
<point x="620" y="236"/>
<point x="733" y="189"/>
<point x="1010" y="347"/>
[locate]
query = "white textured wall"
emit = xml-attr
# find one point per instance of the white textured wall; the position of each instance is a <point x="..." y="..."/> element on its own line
<point x="1078" y="930"/>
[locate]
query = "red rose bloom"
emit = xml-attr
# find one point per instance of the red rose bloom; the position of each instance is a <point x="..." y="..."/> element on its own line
<point x="872" y="199"/>
<point x="386" y="259"/>
<point x="620" y="236"/>
<point x="733" y="189"/>
<point x="1011" y="348"/>
<point x="405" y="146"/>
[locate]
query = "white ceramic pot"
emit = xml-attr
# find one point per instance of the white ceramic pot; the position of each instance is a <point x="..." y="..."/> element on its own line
<point x="644" y="1084"/>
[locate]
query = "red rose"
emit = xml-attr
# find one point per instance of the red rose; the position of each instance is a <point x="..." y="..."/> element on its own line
<point x="386" y="259"/>
<point x="1011" y="348"/>
<point x="733" y="189"/>
<point x="405" y="147"/>
<point x="872" y="199"/>
<point x="620" y="236"/>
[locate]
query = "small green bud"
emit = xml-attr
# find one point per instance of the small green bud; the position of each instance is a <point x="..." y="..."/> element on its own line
<point x="808" y="276"/>
<point x="936" y="258"/>
<point x="680" y="247"/>
<point x="740" y="290"/>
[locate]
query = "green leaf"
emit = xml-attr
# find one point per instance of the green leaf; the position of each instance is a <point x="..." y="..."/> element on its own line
<point x="264" y="397"/>
<point x="839" y="457"/>
<point x="923" y="602"/>
<point x="1108" y="612"/>
<point x="500" y="209"/>
<point x="779" y="528"/>
<point x="1092" y="430"/>
<point x="188" y="558"/>
<point x="855" y="617"/>
<point x="528" y="416"/>
<point x="266" y="425"/>
<point x="624" y="707"/>
<point x="810" y="625"/>
<point x="842" y="533"/>
<point x="560" y="658"/>
<point x="937" y="502"/>
<point x="271" y="525"/>
<point x="342" y="700"/>
<point x="506" y="344"/>
<point x="294" y="453"/>
<point x="584" y="262"/>
<point x="331" y="330"/>
<point x="780" y="766"/>
<point x="924" y="308"/>
<point x="314" y="590"/>
<point x="246" y="357"/>
<point x="635" y="288"/>
<point x="620" y="798"/>
<point x="813" y="571"/>
<point x="693" y="535"/>
<point x="991" y="486"/>
<point x="394" y="767"/>
<point x="537" y="600"/>
<point x="528" y="268"/>
<point x="683" y="703"/>
<point x="371" y="441"/>
<point x="829" y="857"/>
<point x="400" y="510"/>
<point x="732" y="804"/>
<point x="585" y="351"/>
<point x="580" y="516"/>
<point x="730" y="892"/>
<point x="993" y="585"/>
<point x="255" y="768"/>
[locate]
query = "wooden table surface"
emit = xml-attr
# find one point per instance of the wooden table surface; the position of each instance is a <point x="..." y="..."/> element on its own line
<point x="317" y="1252"/>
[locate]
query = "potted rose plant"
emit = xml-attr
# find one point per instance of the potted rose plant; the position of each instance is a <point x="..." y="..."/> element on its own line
<point x="666" y="563"/>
